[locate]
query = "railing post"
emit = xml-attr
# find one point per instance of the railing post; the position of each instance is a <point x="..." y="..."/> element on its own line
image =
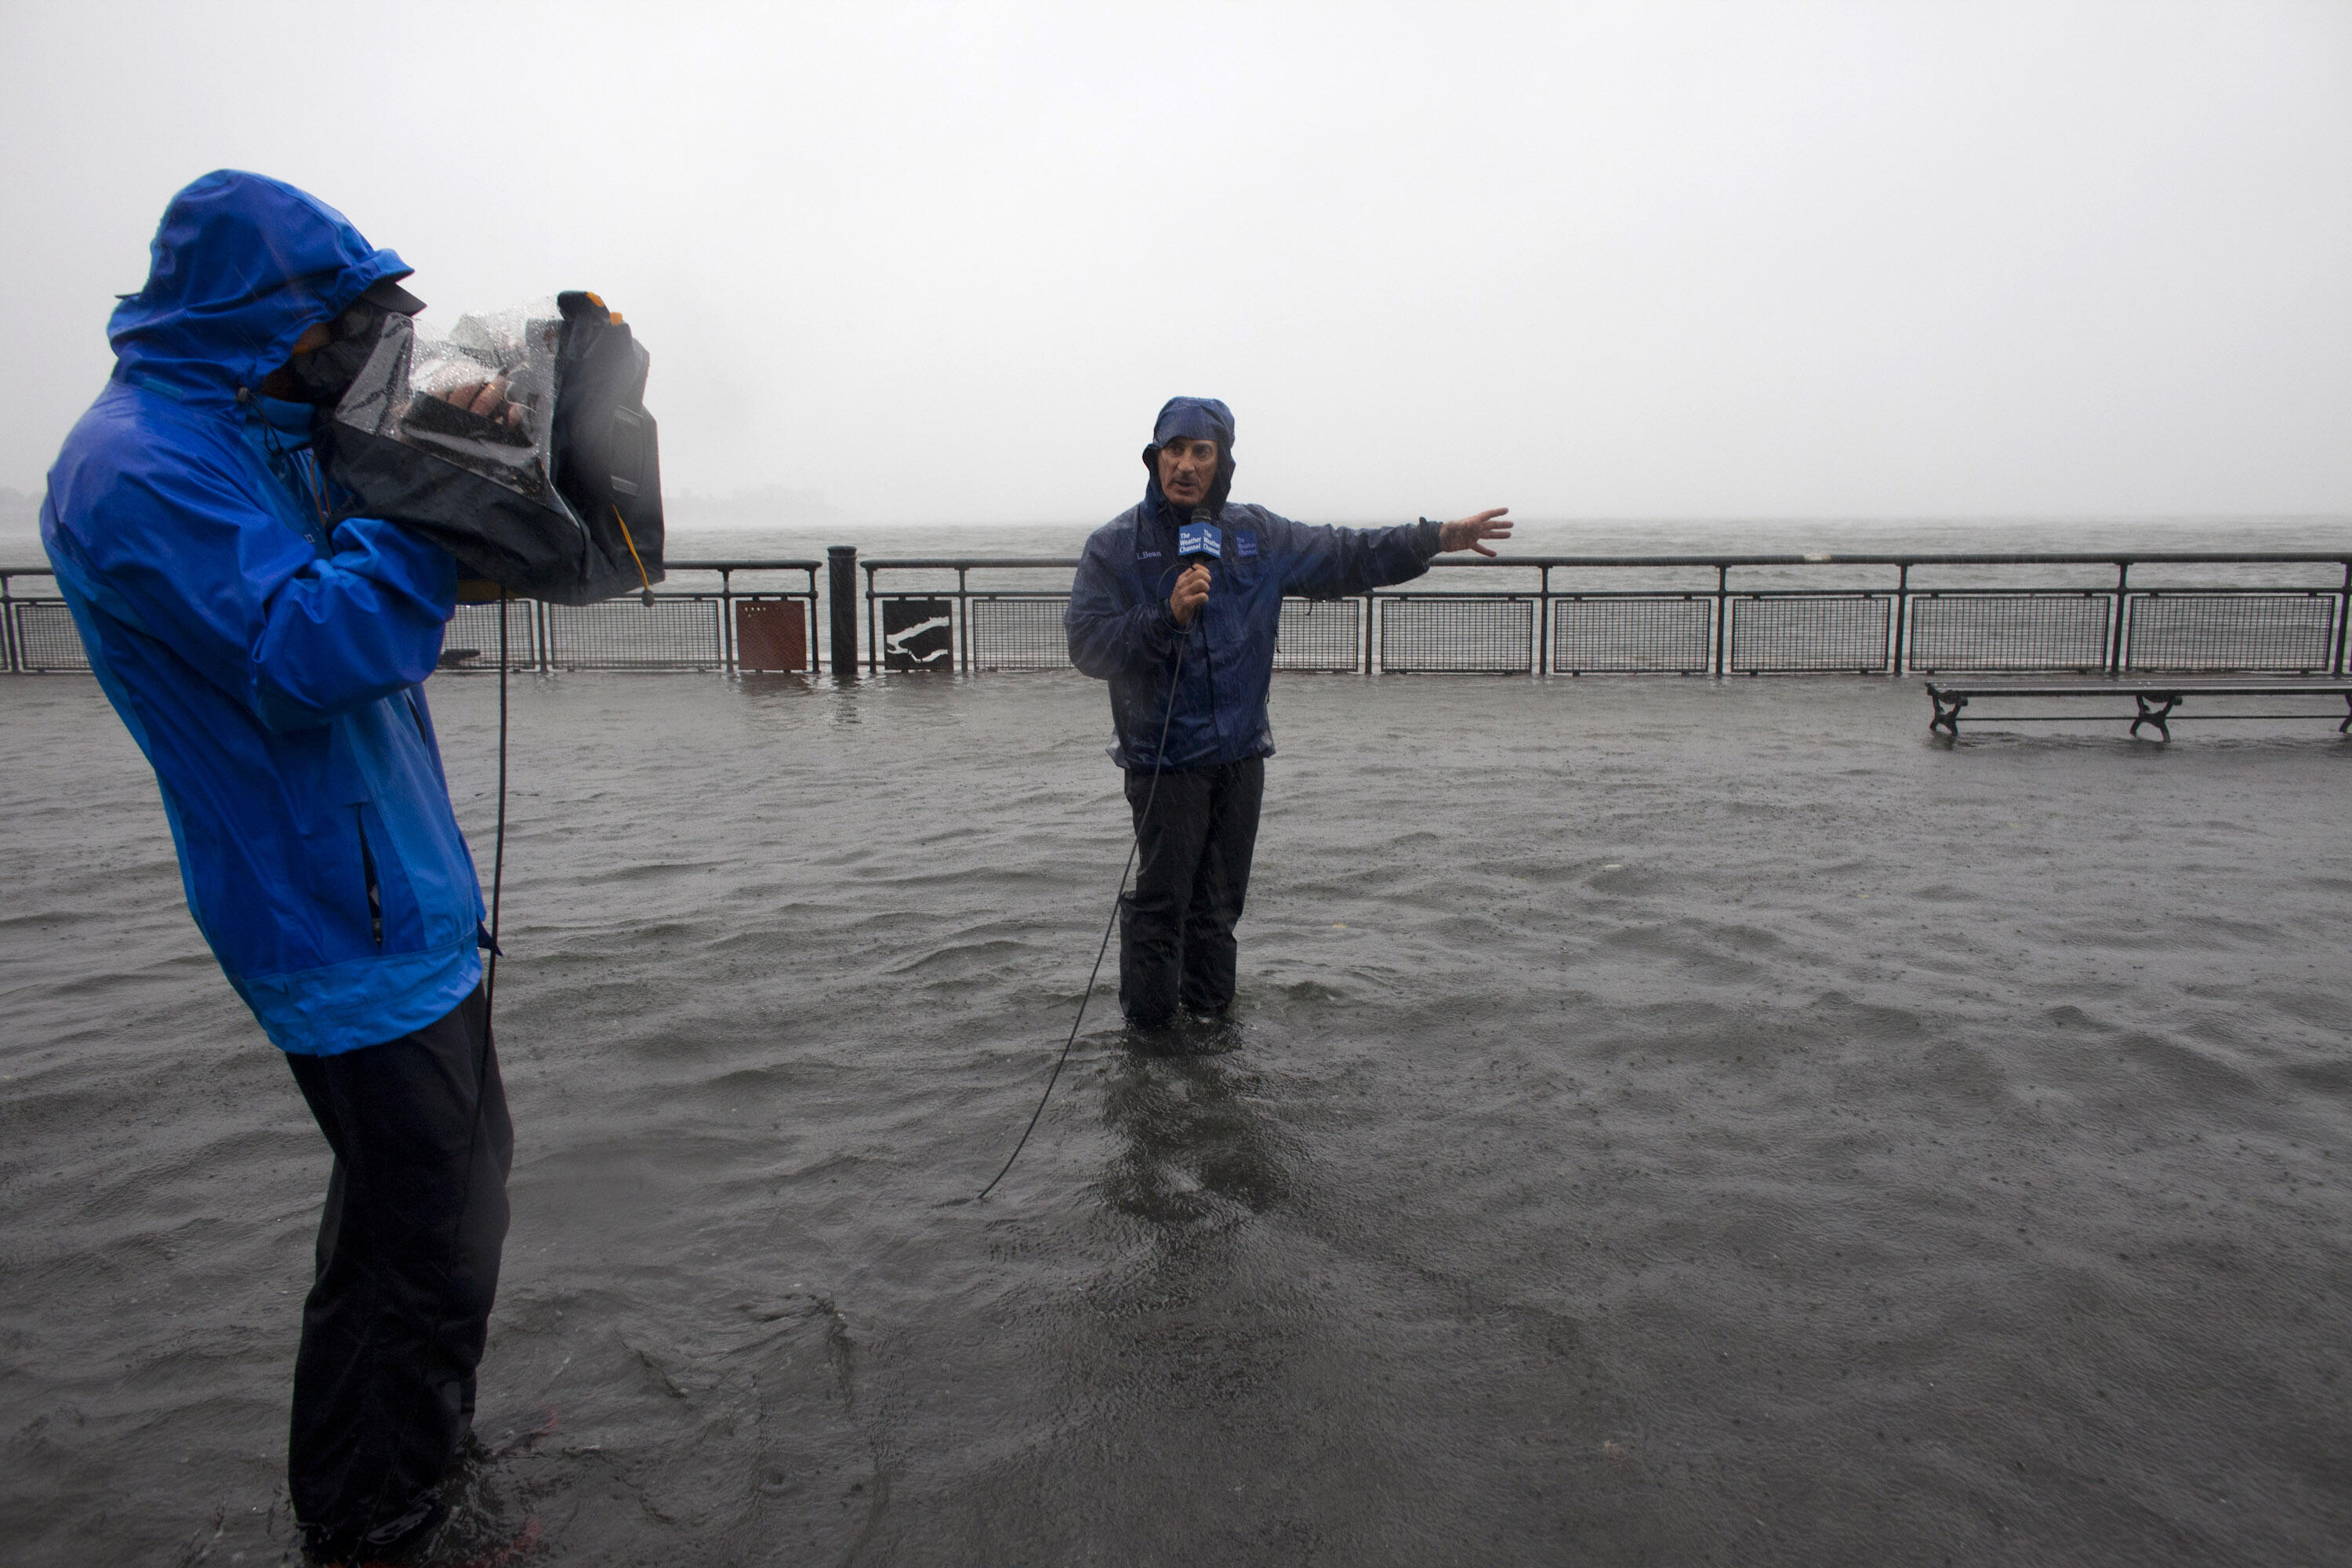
<point x="873" y="623"/>
<point x="2343" y="616"/>
<point x="1543" y="625"/>
<point x="963" y="615"/>
<point x="1902" y="604"/>
<point x="2123" y="606"/>
<point x="809" y="647"/>
<point x="727" y="652"/>
<point x="8" y="624"/>
<point x="1723" y="621"/>
<point x="841" y="582"/>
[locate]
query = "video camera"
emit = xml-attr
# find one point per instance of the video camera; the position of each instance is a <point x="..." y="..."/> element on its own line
<point x="519" y="443"/>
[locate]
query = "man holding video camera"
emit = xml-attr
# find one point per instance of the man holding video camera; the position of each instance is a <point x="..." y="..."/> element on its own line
<point x="268" y="658"/>
<point x="1176" y="604"/>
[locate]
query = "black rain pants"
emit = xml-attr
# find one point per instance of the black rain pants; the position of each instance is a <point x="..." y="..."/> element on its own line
<point x="1176" y="929"/>
<point x="407" y="1266"/>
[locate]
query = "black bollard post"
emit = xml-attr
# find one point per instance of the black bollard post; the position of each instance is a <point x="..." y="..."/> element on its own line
<point x="841" y="589"/>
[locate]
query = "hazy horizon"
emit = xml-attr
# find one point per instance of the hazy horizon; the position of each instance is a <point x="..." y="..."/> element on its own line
<point x="743" y="513"/>
<point x="923" y="264"/>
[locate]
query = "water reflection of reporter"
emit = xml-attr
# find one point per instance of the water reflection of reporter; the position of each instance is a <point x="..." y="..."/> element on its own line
<point x="269" y="659"/>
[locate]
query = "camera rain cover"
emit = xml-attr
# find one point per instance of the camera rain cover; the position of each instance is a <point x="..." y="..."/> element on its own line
<point x="519" y="443"/>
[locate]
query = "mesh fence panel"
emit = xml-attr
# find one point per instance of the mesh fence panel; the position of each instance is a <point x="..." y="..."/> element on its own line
<point x="1321" y="635"/>
<point x="1018" y="633"/>
<point x="1442" y="632"/>
<point x="1665" y="635"/>
<point x="472" y="641"/>
<point x="628" y="634"/>
<point x="2008" y="631"/>
<point x="1791" y="636"/>
<point x="46" y="638"/>
<point x="2271" y="632"/>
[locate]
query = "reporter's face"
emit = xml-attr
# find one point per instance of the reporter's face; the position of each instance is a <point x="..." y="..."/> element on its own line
<point x="1187" y="469"/>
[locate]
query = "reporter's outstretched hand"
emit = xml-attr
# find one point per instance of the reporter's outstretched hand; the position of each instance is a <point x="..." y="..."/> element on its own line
<point x="1467" y="532"/>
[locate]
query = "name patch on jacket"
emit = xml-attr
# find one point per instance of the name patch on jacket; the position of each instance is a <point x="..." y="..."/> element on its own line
<point x="1245" y="544"/>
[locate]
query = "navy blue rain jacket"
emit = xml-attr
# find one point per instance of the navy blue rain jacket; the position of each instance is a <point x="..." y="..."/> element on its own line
<point x="271" y="671"/>
<point x="1120" y="630"/>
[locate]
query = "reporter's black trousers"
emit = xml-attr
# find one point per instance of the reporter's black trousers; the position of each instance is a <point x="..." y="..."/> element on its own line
<point x="407" y="1266"/>
<point x="1176" y="929"/>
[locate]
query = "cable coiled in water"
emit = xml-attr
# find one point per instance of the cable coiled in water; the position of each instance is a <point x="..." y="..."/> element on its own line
<point x="1134" y="845"/>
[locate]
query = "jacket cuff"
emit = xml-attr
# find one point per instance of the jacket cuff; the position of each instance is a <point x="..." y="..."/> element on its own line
<point x="1432" y="537"/>
<point x="1160" y="631"/>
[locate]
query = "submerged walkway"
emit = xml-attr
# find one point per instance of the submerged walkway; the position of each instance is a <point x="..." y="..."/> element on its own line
<point x="1668" y="1120"/>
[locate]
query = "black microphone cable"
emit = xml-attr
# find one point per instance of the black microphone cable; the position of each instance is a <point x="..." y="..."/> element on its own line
<point x="1133" y="847"/>
<point x="498" y="854"/>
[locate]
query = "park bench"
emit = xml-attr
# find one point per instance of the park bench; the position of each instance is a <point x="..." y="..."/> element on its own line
<point x="2155" y="701"/>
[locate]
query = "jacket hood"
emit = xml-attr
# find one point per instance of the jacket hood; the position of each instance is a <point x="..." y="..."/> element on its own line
<point x="241" y="266"/>
<point x="1192" y="419"/>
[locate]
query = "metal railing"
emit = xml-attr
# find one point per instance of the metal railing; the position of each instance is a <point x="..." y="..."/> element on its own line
<point x="1706" y="615"/>
<point x="720" y="624"/>
<point x="2102" y="615"/>
<point x="37" y="628"/>
<point x="685" y="626"/>
<point x="1013" y="625"/>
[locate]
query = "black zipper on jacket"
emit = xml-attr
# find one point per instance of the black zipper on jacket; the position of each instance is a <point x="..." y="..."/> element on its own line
<point x="1209" y="675"/>
<point x="375" y="888"/>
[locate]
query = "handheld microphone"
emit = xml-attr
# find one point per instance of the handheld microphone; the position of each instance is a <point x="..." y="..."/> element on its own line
<point x="1200" y="540"/>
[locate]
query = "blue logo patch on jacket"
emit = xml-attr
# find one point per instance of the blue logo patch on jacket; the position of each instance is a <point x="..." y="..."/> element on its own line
<point x="1245" y="544"/>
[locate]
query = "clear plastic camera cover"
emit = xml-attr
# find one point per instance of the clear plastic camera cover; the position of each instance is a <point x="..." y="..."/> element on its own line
<point x="482" y="397"/>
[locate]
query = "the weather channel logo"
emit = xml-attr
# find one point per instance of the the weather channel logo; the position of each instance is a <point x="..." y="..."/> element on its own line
<point x="1200" y="539"/>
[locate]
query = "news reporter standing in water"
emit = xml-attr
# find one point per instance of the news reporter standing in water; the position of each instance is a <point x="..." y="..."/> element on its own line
<point x="1133" y="604"/>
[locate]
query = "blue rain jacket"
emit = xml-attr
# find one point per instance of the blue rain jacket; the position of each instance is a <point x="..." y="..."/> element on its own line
<point x="271" y="671"/>
<point x="1120" y="630"/>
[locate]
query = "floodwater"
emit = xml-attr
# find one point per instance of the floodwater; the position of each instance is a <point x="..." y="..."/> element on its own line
<point x="1668" y="1121"/>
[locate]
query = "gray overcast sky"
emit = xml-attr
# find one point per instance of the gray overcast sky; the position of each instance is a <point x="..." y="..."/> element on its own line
<point x="943" y="261"/>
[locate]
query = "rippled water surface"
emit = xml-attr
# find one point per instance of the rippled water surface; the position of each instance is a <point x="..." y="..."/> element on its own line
<point x="1668" y="1121"/>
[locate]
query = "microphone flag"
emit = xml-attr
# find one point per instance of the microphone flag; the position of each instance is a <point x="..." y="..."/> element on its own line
<point x="1200" y="539"/>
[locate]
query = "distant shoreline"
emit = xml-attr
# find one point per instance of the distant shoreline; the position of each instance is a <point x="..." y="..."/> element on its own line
<point x="20" y="545"/>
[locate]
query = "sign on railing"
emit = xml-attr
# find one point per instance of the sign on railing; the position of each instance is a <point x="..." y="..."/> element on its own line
<point x="771" y="635"/>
